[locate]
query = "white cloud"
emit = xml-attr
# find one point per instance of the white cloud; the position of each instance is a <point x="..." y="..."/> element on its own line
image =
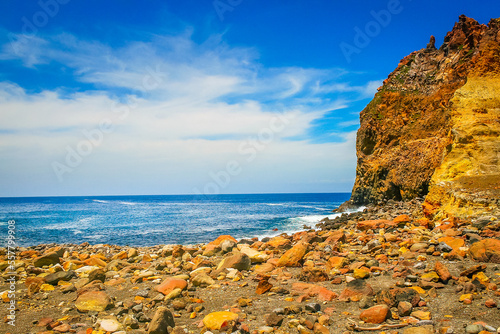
<point x="188" y="109"/>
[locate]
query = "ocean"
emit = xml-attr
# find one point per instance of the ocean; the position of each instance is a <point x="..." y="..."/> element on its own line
<point x="154" y="220"/>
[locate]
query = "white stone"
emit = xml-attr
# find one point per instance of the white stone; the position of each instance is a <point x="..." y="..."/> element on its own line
<point x="110" y="325"/>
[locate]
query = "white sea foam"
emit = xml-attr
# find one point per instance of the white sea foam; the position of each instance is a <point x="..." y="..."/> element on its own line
<point x="94" y="236"/>
<point x="296" y="224"/>
<point x="119" y="202"/>
<point x="74" y="225"/>
<point x="313" y="207"/>
<point x="99" y="201"/>
<point x="312" y="219"/>
<point x="128" y="203"/>
<point x="317" y="218"/>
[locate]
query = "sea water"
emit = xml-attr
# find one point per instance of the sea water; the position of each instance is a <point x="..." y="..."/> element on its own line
<point x="155" y="220"/>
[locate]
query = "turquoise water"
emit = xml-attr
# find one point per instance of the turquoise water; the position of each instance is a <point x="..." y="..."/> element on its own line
<point x="153" y="220"/>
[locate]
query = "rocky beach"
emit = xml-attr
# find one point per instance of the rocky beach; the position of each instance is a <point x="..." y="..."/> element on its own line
<point x="423" y="257"/>
<point x="387" y="269"/>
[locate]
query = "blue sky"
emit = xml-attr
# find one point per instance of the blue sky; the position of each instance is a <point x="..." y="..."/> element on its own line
<point x="180" y="97"/>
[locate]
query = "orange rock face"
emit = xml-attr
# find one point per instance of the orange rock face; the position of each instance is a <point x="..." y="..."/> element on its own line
<point x="432" y="130"/>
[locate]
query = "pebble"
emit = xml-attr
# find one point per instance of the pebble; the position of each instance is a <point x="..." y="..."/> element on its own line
<point x="162" y="319"/>
<point x="142" y="293"/>
<point x="473" y="329"/>
<point x="217" y="320"/>
<point x="313" y="307"/>
<point x="110" y="325"/>
<point x="273" y="319"/>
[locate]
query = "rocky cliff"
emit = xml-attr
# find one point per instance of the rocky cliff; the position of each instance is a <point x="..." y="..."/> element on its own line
<point x="433" y="128"/>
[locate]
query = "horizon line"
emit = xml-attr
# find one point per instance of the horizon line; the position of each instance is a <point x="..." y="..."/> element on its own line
<point x="129" y="195"/>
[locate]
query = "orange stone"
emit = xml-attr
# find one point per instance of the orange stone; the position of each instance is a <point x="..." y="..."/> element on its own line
<point x="293" y="256"/>
<point x="123" y="255"/>
<point x="219" y="320"/>
<point x="170" y="284"/>
<point x="376" y="314"/>
<point x="263" y="286"/>
<point x="93" y="301"/>
<point x="335" y="236"/>
<point x="221" y="239"/>
<point x="490" y="303"/>
<point x="442" y="271"/>
<point x="314" y="290"/>
<point x="336" y="262"/>
<point x="34" y="280"/>
<point x="29" y="254"/>
<point x="279" y="242"/>
<point x="454" y="243"/>
<point x="94" y="261"/>
<point x="486" y="250"/>
<point x="211" y="249"/>
<point x="373" y="224"/>
<point x="264" y="268"/>
<point x="382" y="258"/>
<point x="424" y="222"/>
<point x="402" y="219"/>
<point x="320" y="329"/>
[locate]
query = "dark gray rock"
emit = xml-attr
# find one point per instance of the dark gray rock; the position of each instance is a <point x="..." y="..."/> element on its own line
<point x="59" y="276"/>
<point x="162" y="319"/>
<point x="46" y="260"/>
<point x="313" y="307"/>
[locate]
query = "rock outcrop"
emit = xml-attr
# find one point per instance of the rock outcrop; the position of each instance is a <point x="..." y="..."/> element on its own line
<point x="433" y="128"/>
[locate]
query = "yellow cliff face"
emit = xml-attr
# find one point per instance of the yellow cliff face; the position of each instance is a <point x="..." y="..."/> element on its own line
<point x="468" y="180"/>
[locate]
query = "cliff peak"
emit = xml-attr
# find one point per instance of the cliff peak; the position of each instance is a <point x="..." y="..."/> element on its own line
<point x="467" y="32"/>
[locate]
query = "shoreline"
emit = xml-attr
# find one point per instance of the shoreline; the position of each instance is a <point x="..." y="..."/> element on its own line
<point x="305" y="227"/>
<point x="386" y="267"/>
